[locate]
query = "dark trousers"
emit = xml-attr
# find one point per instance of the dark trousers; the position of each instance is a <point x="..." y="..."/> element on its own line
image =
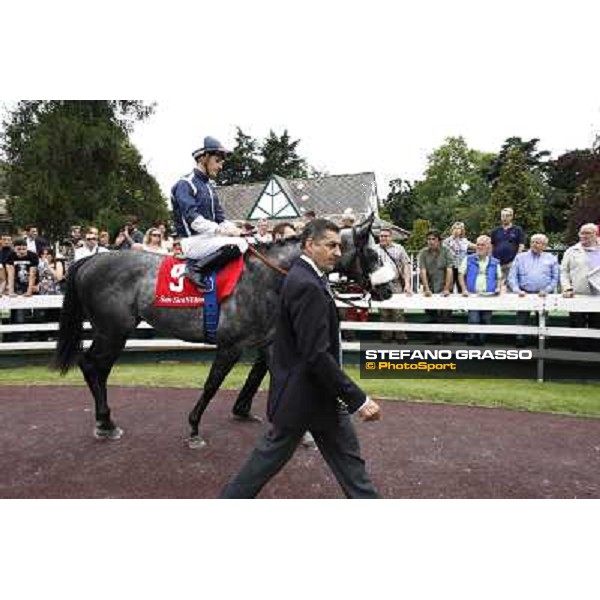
<point x="478" y="317"/>
<point x="338" y="445"/>
<point x="18" y="316"/>
<point x="455" y="281"/>
<point x="524" y="318"/>
<point x="440" y="316"/>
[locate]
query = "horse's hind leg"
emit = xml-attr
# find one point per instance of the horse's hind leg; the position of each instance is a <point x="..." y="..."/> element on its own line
<point x="243" y="404"/>
<point x="96" y="364"/>
<point x="222" y="365"/>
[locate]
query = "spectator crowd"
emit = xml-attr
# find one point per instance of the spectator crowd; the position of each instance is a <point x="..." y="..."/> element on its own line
<point x="499" y="263"/>
<point x="493" y="264"/>
<point x="32" y="265"/>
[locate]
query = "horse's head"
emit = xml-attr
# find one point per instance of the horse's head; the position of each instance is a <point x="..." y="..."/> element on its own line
<point x="361" y="263"/>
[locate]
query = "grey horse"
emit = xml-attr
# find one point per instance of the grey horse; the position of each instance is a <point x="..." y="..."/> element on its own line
<point x="115" y="291"/>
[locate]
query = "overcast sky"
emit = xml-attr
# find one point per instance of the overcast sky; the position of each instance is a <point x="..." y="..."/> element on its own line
<point x="365" y="87"/>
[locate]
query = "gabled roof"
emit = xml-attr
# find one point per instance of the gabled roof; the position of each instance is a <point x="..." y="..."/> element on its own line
<point x="275" y="202"/>
<point x="328" y="195"/>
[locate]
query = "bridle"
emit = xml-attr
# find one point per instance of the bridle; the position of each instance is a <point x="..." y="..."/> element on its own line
<point x="361" y="267"/>
<point x="349" y="301"/>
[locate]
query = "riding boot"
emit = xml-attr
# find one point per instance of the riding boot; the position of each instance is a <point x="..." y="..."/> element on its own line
<point x="198" y="272"/>
<point x="196" y="275"/>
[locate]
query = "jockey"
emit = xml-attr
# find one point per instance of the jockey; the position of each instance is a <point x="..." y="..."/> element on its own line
<point x="207" y="240"/>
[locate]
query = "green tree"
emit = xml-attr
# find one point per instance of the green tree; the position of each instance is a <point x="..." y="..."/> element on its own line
<point x="138" y="193"/>
<point x="280" y="157"/>
<point x="243" y="166"/>
<point x="71" y="161"/>
<point x="536" y="160"/>
<point x="418" y="237"/>
<point x="517" y="186"/>
<point x="3" y="179"/>
<point x="400" y="204"/>
<point x="475" y="196"/>
<point x="454" y="183"/>
<point x="252" y="161"/>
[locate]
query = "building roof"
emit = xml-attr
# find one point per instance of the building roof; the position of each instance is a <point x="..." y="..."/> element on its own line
<point x="327" y="195"/>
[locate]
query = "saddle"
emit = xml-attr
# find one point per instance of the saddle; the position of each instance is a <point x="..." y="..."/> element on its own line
<point x="174" y="290"/>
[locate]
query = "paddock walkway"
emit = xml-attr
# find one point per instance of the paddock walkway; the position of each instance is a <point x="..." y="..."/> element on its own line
<point x="416" y="451"/>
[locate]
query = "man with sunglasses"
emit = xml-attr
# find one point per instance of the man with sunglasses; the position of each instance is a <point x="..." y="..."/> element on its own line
<point x="208" y="240"/>
<point x="90" y="246"/>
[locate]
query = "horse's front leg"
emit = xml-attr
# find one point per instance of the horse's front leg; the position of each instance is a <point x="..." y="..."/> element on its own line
<point x="222" y="365"/>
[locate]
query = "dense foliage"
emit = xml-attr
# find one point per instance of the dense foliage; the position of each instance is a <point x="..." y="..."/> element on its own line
<point x="253" y="161"/>
<point x="555" y="196"/>
<point x="72" y="162"/>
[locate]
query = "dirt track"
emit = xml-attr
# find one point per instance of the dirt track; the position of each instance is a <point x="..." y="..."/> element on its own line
<point x="416" y="451"/>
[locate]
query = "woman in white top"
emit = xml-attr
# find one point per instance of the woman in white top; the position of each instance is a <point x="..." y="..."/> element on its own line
<point x="153" y="242"/>
<point x="459" y="246"/>
<point x="167" y="240"/>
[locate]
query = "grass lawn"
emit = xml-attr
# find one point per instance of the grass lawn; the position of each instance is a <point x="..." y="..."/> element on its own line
<point x="563" y="398"/>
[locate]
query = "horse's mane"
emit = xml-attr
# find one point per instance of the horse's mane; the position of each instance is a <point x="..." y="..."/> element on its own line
<point x="266" y="246"/>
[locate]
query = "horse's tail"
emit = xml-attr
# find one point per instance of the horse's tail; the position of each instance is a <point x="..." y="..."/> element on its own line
<point x="70" y="331"/>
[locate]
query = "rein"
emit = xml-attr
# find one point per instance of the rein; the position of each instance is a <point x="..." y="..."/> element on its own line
<point x="265" y="261"/>
<point x="347" y="301"/>
<point x="351" y="301"/>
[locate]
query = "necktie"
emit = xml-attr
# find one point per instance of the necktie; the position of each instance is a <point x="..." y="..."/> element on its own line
<point x="325" y="281"/>
<point x="327" y="286"/>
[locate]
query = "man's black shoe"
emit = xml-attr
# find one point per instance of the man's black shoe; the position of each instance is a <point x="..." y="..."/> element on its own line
<point x="246" y="417"/>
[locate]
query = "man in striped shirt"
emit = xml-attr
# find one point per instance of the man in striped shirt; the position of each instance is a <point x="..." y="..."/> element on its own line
<point x="394" y="254"/>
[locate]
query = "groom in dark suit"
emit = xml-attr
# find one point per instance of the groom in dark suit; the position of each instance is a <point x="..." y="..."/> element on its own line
<point x="309" y="390"/>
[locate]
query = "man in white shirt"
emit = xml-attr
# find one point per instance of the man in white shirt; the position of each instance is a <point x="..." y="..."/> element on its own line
<point x="90" y="246"/>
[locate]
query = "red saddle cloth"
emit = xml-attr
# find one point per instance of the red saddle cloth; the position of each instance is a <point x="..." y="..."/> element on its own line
<point x="174" y="290"/>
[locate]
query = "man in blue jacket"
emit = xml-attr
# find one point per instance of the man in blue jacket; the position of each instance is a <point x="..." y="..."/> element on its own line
<point x="480" y="273"/>
<point x="208" y="240"/>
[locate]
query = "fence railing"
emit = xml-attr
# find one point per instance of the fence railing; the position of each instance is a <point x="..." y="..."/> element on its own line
<point x="543" y="306"/>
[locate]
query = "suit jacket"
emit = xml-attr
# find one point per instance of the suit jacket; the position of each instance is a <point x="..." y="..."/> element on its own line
<point x="306" y="378"/>
<point x="40" y="244"/>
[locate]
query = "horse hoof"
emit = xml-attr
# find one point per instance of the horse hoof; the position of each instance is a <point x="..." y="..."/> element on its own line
<point x="108" y="434"/>
<point x="249" y="418"/>
<point x="308" y="441"/>
<point x="195" y="443"/>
